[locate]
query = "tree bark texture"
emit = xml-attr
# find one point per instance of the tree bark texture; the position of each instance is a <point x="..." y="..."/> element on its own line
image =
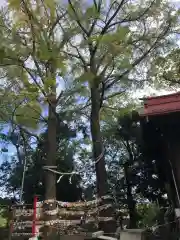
<point x="50" y="178"/>
<point x="98" y="150"/>
<point x="50" y="192"/>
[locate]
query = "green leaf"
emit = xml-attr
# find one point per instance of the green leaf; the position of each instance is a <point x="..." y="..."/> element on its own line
<point x="122" y="32"/>
<point x="43" y="53"/>
<point x="15" y="4"/>
<point x="50" y="4"/>
<point x="61" y="65"/>
<point x="28" y="115"/>
<point x="118" y="36"/>
<point x="92" y="12"/>
<point x="49" y="83"/>
<point x="86" y="77"/>
<point x="124" y="63"/>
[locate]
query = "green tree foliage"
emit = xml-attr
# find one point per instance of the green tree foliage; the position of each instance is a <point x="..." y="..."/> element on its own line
<point x="165" y="70"/>
<point x="149" y="215"/>
<point x="67" y="189"/>
<point x="98" y="44"/>
<point x="133" y="179"/>
<point x="4" y="212"/>
<point x="112" y="41"/>
<point x="31" y="60"/>
<point x="99" y="48"/>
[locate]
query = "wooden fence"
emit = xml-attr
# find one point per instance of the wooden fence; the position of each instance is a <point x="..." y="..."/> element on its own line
<point x="66" y="218"/>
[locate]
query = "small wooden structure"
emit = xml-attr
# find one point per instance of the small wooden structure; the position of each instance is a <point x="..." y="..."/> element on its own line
<point x="160" y="121"/>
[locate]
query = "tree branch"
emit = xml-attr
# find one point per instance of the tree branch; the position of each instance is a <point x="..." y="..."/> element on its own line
<point x="130" y="19"/>
<point x="58" y="19"/>
<point x="105" y="28"/>
<point x="114" y="94"/>
<point x="137" y="61"/>
<point x="77" y="18"/>
<point x="98" y="8"/>
<point x="60" y="95"/>
<point x="30" y="17"/>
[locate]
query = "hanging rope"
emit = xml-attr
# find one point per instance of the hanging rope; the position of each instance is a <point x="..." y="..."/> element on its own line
<point x="23" y="178"/>
<point x="50" y="168"/>
<point x="71" y="174"/>
<point x="24" y="169"/>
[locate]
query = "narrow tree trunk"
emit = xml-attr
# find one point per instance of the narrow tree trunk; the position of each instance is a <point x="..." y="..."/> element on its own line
<point x="130" y="200"/>
<point x="98" y="153"/>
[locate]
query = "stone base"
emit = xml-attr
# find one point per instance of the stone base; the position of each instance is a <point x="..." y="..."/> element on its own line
<point x="132" y="234"/>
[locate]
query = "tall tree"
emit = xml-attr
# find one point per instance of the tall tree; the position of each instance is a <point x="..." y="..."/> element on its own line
<point x="133" y="178"/>
<point x="102" y="44"/>
<point x="31" y="60"/>
<point x="113" y="39"/>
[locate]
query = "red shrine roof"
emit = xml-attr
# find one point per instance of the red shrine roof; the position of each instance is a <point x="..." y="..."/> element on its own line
<point x="161" y="104"/>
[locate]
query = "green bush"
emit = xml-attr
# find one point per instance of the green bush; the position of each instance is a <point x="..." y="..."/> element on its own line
<point x="148" y="215"/>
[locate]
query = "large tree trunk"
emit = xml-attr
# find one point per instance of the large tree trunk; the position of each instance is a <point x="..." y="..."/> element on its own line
<point x="107" y="226"/>
<point x="97" y="143"/>
<point x="50" y="190"/>
<point x="50" y="178"/>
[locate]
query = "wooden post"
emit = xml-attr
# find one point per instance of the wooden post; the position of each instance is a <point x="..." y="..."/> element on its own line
<point x="34" y="216"/>
<point x="11" y="221"/>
